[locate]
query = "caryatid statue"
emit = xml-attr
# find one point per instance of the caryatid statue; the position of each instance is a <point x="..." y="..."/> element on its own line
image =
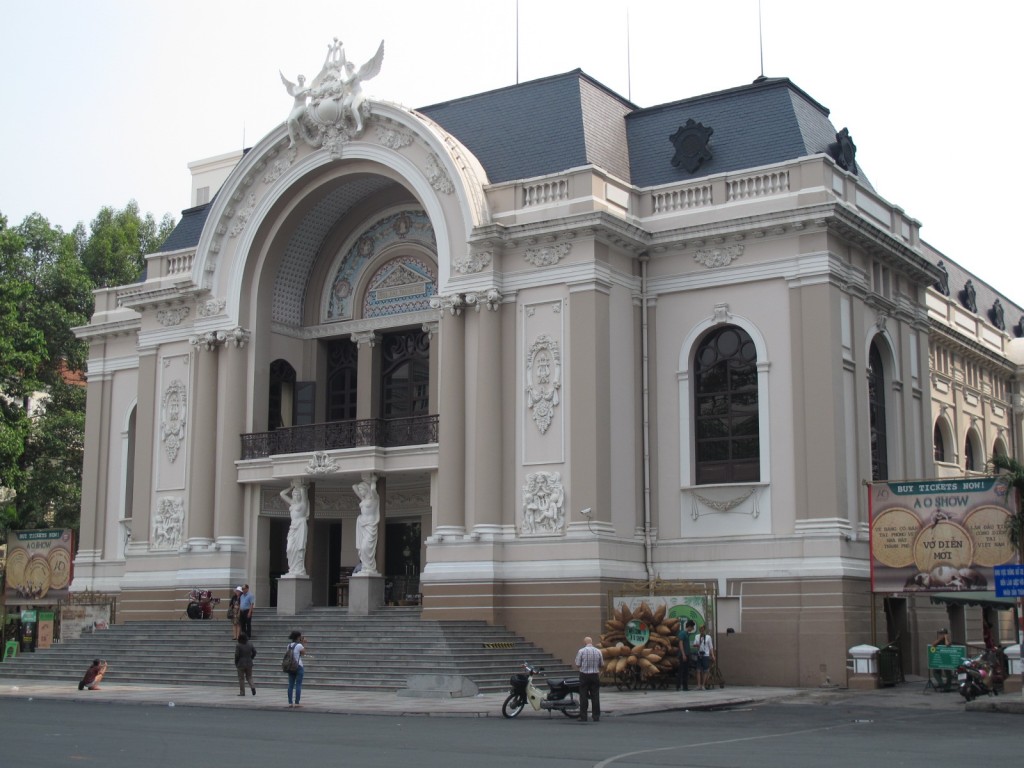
<point x="367" y="525"/>
<point x="297" y="499"/>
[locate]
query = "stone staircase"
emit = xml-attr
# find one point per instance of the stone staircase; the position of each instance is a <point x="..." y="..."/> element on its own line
<point x="376" y="652"/>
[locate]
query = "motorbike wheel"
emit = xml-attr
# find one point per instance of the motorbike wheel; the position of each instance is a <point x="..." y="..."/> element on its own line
<point x="513" y="705"/>
<point x="572" y="711"/>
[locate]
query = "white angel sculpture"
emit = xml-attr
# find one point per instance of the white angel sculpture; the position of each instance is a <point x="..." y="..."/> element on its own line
<point x="300" y="93"/>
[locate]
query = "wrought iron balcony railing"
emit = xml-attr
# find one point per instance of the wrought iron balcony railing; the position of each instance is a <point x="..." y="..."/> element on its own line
<point x="415" y="430"/>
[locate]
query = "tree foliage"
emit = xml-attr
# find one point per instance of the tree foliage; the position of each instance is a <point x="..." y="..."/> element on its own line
<point x="1013" y="472"/>
<point x="46" y="281"/>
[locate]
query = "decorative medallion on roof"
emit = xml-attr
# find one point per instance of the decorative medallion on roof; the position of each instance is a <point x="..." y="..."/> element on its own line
<point x="691" y="143"/>
<point x="969" y="296"/>
<point x="844" y="151"/>
<point x="330" y="111"/>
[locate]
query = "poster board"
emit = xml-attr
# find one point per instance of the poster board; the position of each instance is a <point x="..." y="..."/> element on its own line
<point x="938" y="535"/>
<point x="39" y="566"/>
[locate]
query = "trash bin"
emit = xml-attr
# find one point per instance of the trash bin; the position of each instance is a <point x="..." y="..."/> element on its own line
<point x="890" y="665"/>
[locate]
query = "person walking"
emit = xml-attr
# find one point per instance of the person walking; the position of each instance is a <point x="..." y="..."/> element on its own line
<point x="705" y="647"/>
<point x="246" y="604"/>
<point x="245" y="652"/>
<point x="298" y="649"/>
<point x="685" y="655"/>
<point x="589" y="661"/>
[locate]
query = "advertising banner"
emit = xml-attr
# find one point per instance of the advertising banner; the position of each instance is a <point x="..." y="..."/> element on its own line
<point x="38" y="565"/>
<point x="680" y="607"/>
<point x="938" y="535"/>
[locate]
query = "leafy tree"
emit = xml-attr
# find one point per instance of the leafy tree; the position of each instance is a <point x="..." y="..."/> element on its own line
<point x="46" y="281"/>
<point x="1013" y="472"/>
<point x="114" y="251"/>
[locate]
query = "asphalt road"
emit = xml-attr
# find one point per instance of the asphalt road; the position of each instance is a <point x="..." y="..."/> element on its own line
<point x="52" y="734"/>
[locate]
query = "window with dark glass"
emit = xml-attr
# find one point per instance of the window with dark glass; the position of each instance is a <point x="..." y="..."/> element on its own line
<point x="342" y="381"/>
<point x="969" y="463"/>
<point x="405" y="374"/>
<point x="939" y="443"/>
<point x="876" y="409"/>
<point x="280" y="398"/>
<point x="726" y="424"/>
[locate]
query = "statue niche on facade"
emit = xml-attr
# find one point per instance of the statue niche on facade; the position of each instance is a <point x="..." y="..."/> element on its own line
<point x="332" y="109"/>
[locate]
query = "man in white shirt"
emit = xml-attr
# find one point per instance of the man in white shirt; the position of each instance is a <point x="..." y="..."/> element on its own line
<point x="589" y="660"/>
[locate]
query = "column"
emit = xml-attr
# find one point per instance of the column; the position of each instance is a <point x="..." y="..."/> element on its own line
<point x="145" y="435"/>
<point x="450" y="514"/>
<point x="590" y="393"/>
<point x="368" y="375"/>
<point x="203" y="440"/>
<point x="483" y="450"/>
<point x="231" y="393"/>
<point x="94" y="501"/>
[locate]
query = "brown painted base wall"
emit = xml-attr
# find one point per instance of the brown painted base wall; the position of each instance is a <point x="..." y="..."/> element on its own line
<point x="791" y="633"/>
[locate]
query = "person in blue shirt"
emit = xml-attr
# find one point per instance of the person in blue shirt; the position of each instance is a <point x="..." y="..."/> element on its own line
<point x="245" y="609"/>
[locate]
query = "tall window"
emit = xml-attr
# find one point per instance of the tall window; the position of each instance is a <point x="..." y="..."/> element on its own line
<point x="281" y="396"/>
<point x="876" y="408"/>
<point x="342" y="382"/>
<point x="939" y="444"/>
<point x="405" y="374"/>
<point x="726" y="425"/>
<point x="970" y="465"/>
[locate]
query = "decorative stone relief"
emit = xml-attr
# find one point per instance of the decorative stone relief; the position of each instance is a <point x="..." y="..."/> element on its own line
<point x="206" y="342"/>
<point x="321" y="464"/>
<point x="242" y="215"/>
<point x="543" y="380"/>
<point x="168" y="523"/>
<point x="724" y="505"/>
<point x="472" y="262"/>
<point x="211" y="307"/>
<point x="490" y="299"/>
<point x="438" y="176"/>
<point x="280" y="165"/>
<point x="393" y="138"/>
<point x="453" y="303"/>
<point x="236" y="337"/>
<point x="547" y="255"/>
<point x="718" y="257"/>
<point x="330" y="111"/>
<point x="543" y="499"/>
<point x="172" y="418"/>
<point x="171" y="317"/>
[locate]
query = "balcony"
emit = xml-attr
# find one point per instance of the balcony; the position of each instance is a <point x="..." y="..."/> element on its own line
<point x="337" y="435"/>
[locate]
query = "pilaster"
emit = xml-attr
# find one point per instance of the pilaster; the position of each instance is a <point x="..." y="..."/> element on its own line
<point x="145" y="436"/>
<point x="203" y="443"/>
<point x="231" y="392"/>
<point x="449" y="516"/>
<point x="368" y="375"/>
<point x="484" y="397"/>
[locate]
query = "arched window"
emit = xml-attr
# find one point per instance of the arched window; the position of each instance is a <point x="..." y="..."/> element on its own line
<point x="999" y="448"/>
<point x="876" y="409"/>
<point x="727" y="442"/>
<point x="970" y="459"/>
<point x="939" y="443"/>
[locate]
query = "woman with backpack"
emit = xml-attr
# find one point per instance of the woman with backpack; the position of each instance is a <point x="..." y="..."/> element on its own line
<point x="245" y="652"/>
<point x="294" y="667"/>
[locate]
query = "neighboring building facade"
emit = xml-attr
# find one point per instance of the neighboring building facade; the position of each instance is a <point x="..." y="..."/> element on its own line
<point x="582" y="345"/>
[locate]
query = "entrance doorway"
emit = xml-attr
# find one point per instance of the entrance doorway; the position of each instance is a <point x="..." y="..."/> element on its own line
<point x="402" y="541"/>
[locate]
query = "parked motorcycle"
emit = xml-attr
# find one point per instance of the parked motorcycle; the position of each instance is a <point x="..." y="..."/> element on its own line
<point x="980" y="676"/>
<point x="200" y="603"/>
<point x="560" y="697"/>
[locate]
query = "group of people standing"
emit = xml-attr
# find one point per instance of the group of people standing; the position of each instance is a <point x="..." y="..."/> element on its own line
<point x="696" y="650"/>
<point x="240" y="610"/>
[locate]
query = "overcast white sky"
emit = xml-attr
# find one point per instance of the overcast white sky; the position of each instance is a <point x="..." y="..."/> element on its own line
<point x="109" y="100"/>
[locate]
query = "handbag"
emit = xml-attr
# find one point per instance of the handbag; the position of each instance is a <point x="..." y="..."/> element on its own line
<point x="289" y="663"/>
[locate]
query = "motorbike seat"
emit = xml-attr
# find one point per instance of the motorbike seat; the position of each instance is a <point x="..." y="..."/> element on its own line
<point x="567" y="683"/>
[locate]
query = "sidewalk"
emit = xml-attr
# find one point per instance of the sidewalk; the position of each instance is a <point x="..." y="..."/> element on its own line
<point x="614" y="703"/>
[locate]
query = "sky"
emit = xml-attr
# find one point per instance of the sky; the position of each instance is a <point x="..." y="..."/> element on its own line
<point x="105" y="101"/>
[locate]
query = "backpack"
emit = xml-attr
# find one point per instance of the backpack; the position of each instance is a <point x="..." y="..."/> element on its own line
<point x="289" y="663"/>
